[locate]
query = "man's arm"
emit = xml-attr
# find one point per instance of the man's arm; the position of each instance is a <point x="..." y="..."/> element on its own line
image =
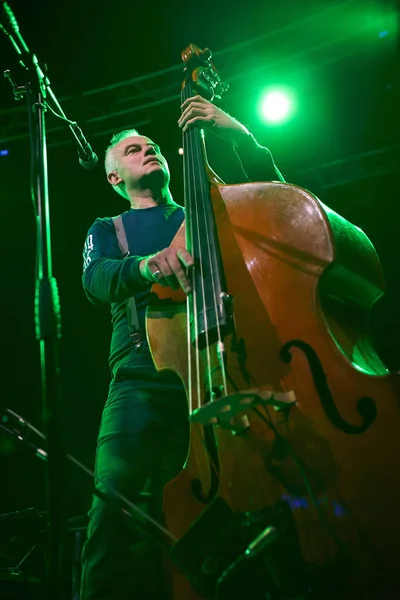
<point x="256" y="161"/>
<point x="107" y="277"/>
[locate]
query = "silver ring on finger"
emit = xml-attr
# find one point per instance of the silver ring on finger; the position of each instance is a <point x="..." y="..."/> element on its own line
<point x="156" y="274"/>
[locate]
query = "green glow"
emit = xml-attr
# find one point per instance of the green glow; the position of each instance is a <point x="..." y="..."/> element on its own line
<point x="276" y="106"/>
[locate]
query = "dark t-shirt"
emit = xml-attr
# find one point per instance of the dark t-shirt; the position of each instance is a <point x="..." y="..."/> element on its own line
<point x="110" y="278"/>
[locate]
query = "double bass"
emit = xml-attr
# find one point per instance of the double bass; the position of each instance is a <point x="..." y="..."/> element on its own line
<point x="291" y="483"/>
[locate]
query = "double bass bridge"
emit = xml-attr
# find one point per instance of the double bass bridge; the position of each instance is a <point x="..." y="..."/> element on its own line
<point x="227" y="411"/>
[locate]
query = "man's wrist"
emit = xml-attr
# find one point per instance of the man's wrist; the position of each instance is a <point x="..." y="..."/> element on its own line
<point x="144" y="270"/>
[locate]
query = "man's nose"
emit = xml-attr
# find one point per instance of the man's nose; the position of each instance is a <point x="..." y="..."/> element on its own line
<point x="150" y="150"/>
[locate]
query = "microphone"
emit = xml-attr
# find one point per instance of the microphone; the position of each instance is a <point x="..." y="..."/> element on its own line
<point x="87" y="158"/>
<point x="90" y="158"/>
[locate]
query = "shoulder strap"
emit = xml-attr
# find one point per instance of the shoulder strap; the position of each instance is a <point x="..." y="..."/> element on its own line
<point x="133" y="320"/>
<point x="121" y="235"/>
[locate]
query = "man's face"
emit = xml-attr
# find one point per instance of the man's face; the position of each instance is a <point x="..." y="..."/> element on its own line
<point x="140" y="164"/>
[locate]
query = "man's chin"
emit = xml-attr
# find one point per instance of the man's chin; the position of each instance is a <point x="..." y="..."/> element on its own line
<point x="156" y="178"/>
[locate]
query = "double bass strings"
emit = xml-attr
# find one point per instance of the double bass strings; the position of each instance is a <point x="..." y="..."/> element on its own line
<point x="196" y="191"/>
<point x="192" y="298"/>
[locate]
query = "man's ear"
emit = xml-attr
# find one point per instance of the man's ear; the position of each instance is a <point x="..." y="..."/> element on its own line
<point x="114" y="178"/>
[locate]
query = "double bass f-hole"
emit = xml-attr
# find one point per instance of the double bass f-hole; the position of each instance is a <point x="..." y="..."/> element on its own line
<point x="366" y="407"/>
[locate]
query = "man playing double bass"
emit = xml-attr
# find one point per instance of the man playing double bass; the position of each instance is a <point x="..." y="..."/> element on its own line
<point x="144" y="431"/>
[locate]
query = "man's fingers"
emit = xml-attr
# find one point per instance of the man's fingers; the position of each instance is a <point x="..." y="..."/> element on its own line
<point x="179" y="273"/>
<point x="183" y="280"/>
<point x="170" y="263"/>
<point x="195" y="110"/>
<point x="199" y="121"/>
<point x="185" y="258"/>
<point x="194" y="100"/>
<point x="168" y="279"/>
<point x="166" y="276"/>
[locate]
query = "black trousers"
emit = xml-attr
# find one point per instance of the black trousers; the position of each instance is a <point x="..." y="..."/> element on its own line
<point x="142" y="444"/>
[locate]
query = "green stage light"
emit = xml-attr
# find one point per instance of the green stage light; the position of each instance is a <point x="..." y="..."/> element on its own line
<point x="276" y="106"/>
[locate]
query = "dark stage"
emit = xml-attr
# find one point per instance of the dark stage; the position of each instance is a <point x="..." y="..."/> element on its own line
<point x="118" y="65"/>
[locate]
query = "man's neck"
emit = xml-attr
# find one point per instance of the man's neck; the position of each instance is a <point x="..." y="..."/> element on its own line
<point x="148" y="198"/>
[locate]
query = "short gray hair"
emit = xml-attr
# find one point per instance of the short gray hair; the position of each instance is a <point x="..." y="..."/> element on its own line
<point x="110" y="162"/>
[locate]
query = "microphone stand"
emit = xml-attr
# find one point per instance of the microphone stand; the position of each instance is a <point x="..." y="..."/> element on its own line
<point x="47" y="304"/>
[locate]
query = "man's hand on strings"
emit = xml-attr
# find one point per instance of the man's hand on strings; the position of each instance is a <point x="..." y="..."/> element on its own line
<point x="199" y="112"/>
<point x="168" y="268"/>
